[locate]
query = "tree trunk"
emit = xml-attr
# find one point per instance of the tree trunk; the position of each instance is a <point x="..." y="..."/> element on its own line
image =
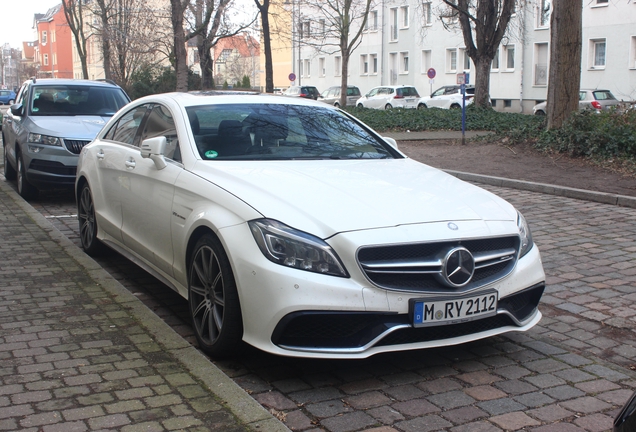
<point x="565" y="62"/>
<point x="106" y="40"/>
<point x="482" y="81"/>
<point x="180" y="53"/>
<point x="206" y="63"/>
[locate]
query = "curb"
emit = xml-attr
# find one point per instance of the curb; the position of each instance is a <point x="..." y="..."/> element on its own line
<point x="233" y="398"/>
<point x="567" y="192"/>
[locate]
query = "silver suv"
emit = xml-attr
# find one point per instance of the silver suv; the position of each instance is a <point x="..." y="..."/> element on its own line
<point x="52" y="120"/>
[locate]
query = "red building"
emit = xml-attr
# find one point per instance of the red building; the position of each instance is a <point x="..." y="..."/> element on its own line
<point x="54" y="50"/>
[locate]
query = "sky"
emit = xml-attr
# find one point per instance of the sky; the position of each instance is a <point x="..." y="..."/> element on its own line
<point x="17" y="19"/>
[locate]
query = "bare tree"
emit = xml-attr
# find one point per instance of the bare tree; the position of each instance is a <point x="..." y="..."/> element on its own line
<point x="564" y="79"/>
<point x="483" y="24"/>
<point x="341" y="24"/>
<point x="74" y="13"/>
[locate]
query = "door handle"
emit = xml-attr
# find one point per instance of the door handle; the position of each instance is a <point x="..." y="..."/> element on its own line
<point x="130" y="163"/>
<point x="100" y="155"/>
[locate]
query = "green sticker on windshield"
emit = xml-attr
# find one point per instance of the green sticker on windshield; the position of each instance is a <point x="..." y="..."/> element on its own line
<point x="211" y="154"/>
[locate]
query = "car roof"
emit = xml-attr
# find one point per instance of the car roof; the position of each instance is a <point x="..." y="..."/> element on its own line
<point x="69" y="81"/>
<point x="219" y="97"/>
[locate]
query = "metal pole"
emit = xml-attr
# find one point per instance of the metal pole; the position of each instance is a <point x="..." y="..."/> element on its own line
<point x="463" y="114"/>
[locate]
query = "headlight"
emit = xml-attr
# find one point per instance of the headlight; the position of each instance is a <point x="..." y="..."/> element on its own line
<point x="44" y="139"/>
<point x="292" y="248"/>
<point x="524" y="234"/>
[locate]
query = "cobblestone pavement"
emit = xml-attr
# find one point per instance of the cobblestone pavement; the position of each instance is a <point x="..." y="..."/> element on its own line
<point x="572" y="372"/>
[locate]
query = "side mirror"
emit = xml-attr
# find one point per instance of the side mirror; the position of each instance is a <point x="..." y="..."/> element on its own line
<point x="391" y="141"/>
<point x="17" y="109"/>
<point x="154" y="148"/>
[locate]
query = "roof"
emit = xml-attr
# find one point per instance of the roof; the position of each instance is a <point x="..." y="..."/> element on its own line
<point x="68" y="81"/>
<point x="246" y="45"/>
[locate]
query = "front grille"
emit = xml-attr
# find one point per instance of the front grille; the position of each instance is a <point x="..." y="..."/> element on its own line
<point x="75" y="146"/>
<point x="417" y="267"/>
<point x="52" y="167"/>
<point x="349" y="330"/>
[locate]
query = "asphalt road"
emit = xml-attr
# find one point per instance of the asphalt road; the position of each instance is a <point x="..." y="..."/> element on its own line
<point x="570" y="373"/>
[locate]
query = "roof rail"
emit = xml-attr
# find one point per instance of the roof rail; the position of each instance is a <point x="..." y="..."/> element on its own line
<point x="109" y="81"/>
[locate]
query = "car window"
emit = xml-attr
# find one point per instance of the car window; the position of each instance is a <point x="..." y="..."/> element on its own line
<point x="603" y="95"/>
<point x="161" y="123"/>
<point x="409" y="91"/>
<point x="582" y="95"/>
<point x="126" y="129"/>
<point x="373" y="92"/>
<point x="439" y="92"/>
<point x="355" y="91"/>
<point x="283" y="132"/>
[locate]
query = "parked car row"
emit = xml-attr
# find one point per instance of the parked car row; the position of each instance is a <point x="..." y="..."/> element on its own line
<point x="387" y="97"/>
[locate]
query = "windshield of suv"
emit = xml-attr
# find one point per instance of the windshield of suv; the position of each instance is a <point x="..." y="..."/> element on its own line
<point x="73" y="100"/>
<point x="281" y="132"/>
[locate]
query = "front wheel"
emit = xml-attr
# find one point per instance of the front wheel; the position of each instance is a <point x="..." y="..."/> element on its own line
<point x="388" y="106"/>
<point x="213" y="299"/>
<point x="455" y="106"/>
<point x="25" y="189"/>
<point x="88" y="223"/>
<point x="421" y="106"/>
<point x="9" y="171"/>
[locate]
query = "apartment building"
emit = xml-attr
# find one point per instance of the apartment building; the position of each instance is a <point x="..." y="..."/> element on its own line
<point x="404" y="39"/>
<point x="53" y="50"/>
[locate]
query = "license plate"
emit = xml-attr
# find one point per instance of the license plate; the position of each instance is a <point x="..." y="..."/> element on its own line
<point x="439" y="311"/>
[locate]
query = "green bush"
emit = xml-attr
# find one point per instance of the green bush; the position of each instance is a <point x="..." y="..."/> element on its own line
<point x="150" y="79"/>
<point x="604" y="135"/>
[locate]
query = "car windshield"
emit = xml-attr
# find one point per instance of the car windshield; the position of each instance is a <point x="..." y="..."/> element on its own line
<point x="73" y="100"/>
<point x="353" y="91"/>
<point x="603" y="95"/>
<point x="281" y="132"/>
<point x="408" y="91"/>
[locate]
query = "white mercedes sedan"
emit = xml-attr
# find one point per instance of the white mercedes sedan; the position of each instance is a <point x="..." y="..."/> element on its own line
<point x="291" y="226"/>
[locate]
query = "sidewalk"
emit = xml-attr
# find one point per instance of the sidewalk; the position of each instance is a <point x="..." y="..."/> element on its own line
<point x="79" y="352"/>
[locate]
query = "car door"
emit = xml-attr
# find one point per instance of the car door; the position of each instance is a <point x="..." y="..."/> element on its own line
<point x="149" y="192"/>
<point x="13" y="125"/>
<point x="110" y="155"/>
<point x="380" y="99"/>
<point x="438" y="99"/>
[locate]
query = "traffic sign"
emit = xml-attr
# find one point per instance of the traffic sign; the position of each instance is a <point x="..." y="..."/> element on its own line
<point x="292" y="76"/>
<point x="431" y="73"/>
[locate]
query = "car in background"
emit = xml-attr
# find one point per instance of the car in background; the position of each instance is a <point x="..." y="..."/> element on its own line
<point x="289" y="225"/>
<point x="307" y="92"/>
<point x="332" y="96"/>
<point x="596" y="100"/>
<point x="447" y="97"/>
<point x="7" y="97"/>
<point x="387" y="97"/>
<point x="52" y="120"/>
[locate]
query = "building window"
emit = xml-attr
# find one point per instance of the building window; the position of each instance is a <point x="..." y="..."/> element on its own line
<point x="338" y="69"/>
<point x="372" y="21"/>
<point x="364" y="64"/>
<point x="321" y="66"/>
<point x="602" y="2"/>
<point x="507" y="103"/>
<point x="598" y="47"/>
<point x="404" y="62"/>
<point x="426" y="60"/>
<point x="323" y="26"/>
<point x="374" y="63"/>
<point x="543" y="13"/>
<point x="451" y="60"/>
<point x="44" y="38"/>
<point x="54" y="58"/>
<point x="632" y="53"/>
<point x="307" y="68"/>
<point x="46" y="60"/>
<point x="394" y="24"/>
<point x="427" y="13"/>
<point x="495" y="61"/>
<point x="404" y="11"/>
<point x="510" y="57"/>
<point x="466" y="60"/>
<point x="300" y="67"/>
<point x="541" y="64"/>
<point x="305" y="29"/>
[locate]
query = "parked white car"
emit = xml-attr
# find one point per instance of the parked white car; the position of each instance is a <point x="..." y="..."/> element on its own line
<point x="447" y="97"/>
<point x="387" y="97"/>
<point x="293" y="227"/>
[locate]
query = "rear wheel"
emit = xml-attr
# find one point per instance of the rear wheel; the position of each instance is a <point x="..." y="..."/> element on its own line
<point x="88" y="224"/>
<point x="336" y="104"/>
<point x="388" y="106"/>
<point x="360" y="105"/>
<point x="9" y="171"/>
<point x="455" y="106"/>
<point x="213" y="299"/>
<point x="25" y="189"/>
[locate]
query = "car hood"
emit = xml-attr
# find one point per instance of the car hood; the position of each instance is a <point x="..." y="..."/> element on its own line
<point x="328" y="197"/>
<point x="79" y="127"/>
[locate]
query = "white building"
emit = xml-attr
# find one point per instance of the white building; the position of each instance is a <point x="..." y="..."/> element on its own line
<point x="404" y="39"/>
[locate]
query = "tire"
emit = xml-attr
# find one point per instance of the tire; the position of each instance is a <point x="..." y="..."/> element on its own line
<point x="213" y="299"/>
<point x="388" y="106"/>
<point x="360" y="105"/>
<point x="422" y="107"/>
<point x="9" y="171"/>
<point x="336" y="104"/>
<point x="455" y="106"/>
<point x="25" y="189"/>
<point x="88" y="223"/>
<point x="539" y="113"/>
